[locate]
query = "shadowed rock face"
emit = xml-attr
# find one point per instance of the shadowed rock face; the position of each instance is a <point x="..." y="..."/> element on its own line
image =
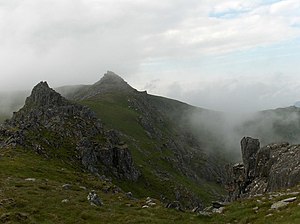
<point x="48" y="124"/>
<point x="42" y="95"/>
<point x="249" y="148"/>
<point x="265" y="169"/>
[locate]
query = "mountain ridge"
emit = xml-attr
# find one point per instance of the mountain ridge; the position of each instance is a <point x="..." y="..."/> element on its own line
<point x="142" y="143"/>
<point x="54" y="127"/>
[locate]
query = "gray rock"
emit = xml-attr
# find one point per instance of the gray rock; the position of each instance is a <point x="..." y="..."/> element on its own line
<point x="94" y="199"/>
<point x="218" y="210"/>
<point x="175" y="205"/>
<point x="118" y="160"/>
<point x="151" y="204"/>
<point x="290" y="199"/>
<point x="83" y="188"/>
<point x="30" y="179"/>
<point x="249" y="148"/>
<point x="283" y="203"/>
<point x="129" y="195"/>
<point x="293" y="193"/>
<point x="196" y="209"/>
<point x="265" y="169"/>
<point x="279" y="204"/>
<point x="67" y="186"/>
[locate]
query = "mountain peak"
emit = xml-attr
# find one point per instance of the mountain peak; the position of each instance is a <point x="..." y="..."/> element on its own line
<point x="112" y="79"/>
<point x="112" y="75"/>
<point x="43" y="95"/>
<point x="109" y="83"/>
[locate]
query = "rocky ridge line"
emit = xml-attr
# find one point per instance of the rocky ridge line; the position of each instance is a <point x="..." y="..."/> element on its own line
<point x="52" y="126"/>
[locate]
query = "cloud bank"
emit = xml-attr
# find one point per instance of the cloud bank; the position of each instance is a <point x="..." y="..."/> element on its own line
<point x="218" y="44"/>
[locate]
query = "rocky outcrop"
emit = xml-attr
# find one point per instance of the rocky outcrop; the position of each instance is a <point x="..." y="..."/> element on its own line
<point x="43" y="96"/>
<point x="249" y="148"/>
<point x="52" y="126"/>
<point x="94" y="199"/>
<point x="118" y="160"/>
<point x="265" y="169"/>
<point x="110" y="82"/>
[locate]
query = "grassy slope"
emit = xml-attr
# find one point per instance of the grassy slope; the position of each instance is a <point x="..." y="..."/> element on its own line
<point x="40" y="201"/>
<point x="258" y="210"/>
<point x="114" y="111"/>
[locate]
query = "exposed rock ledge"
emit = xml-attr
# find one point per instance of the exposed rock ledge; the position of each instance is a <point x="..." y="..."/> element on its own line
<point x="265" y="169"/>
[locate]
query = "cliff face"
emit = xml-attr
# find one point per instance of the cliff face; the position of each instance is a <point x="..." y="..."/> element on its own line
<point x="54" y="127"/>
<point x="265" y="169"/>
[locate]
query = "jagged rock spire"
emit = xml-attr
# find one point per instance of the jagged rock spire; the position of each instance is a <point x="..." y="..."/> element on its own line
<point x="249" y="147"/>
<point x="43" y="95"/>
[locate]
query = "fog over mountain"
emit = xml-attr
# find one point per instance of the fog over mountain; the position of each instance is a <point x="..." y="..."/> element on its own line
<point x="217" y="131"/>
<point x="223" y="55"/>
<point x="235" y="57"/>
<point x="147" y="111"/>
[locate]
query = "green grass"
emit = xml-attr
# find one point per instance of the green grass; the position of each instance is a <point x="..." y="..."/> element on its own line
<point x="243" y="211"/>
<point x="40" y="201"/>
<point x="115" y="112"/>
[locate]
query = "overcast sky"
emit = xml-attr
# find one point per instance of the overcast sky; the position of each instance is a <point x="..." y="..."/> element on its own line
<point x="217" y="54"/>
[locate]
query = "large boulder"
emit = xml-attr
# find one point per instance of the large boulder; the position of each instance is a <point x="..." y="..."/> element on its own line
<point x="265" y="169"/>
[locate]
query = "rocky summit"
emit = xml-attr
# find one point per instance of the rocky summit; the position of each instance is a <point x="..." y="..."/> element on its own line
<point x="109" y="83"/>
<point x="54" y="127"/>
<point x="264" y="169"/>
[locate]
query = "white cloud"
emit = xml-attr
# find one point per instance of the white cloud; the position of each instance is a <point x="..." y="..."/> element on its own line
<point x="235" y="94"/>
<point x="76" y="41"/>
<point x="288" y="8"/>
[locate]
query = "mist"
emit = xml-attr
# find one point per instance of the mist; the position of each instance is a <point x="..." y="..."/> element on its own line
<point x="221" y="132"/>
<point x="217" y="131"/>
<point x="10" y="102"/>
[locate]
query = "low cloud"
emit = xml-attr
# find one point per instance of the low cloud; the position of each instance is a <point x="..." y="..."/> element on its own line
<point x="75" y="42"/>
<point x="11" y="102"/>
<point x="238" y="94"/>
